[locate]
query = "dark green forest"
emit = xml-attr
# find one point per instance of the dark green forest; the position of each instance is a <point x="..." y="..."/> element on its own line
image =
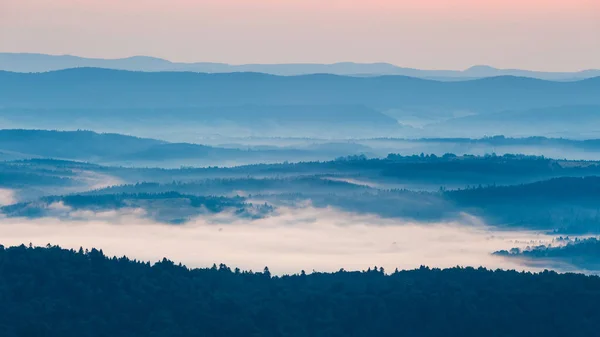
<point x="56" y="292"/>
<point x="170" y="207"/>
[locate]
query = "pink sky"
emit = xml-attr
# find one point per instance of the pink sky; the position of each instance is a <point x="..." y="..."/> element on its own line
<point x="453" y="34"/>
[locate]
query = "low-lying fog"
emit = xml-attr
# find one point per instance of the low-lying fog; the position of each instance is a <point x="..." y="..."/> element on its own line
<point x="294" y="239"/>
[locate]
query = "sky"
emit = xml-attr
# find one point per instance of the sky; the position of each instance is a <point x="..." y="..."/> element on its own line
<point x="549" y="35"/>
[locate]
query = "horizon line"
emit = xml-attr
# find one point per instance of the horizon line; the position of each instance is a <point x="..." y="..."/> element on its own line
<point x="475" y="66"/>
<point x="439" y="79"/>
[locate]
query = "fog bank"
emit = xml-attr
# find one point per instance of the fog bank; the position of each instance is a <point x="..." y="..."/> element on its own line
<point x="294" y="239"/>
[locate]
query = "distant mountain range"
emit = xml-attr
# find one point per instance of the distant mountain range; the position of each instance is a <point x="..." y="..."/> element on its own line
<point x="570" y="121"/>
<point x="103" y="88"/>
<point x="25" y="62"/>
<point x="329" y="106"/>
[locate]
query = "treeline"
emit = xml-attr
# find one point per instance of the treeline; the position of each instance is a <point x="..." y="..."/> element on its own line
<point x="212" y="203"/>
<point x="500" y="140"/>
<point x="468" y="169"/>
<point x="580" y="253"/>
<point x="563" y="189"/>
<point x="508" y="168"/>
<point x="120" y="200"/>
<point x="218" y="186"/>
<point x="171" y="207"/>
<point x="56" y="292"/>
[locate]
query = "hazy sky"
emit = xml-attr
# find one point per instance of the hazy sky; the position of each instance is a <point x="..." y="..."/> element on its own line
<point x="452" y="34"/>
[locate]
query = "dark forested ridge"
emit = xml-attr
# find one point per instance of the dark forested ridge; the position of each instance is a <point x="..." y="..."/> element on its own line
<point x="56" y="292"/>
<point x="565" y="204"/>
<point x="170" y="207"/>
<point x="576" y="254"/>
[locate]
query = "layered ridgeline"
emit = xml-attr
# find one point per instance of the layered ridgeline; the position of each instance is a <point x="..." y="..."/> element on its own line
<point x="119" y="149"/>
<point x="56" y="292"/>
<point x="320" y="105"/>
<point x="510" y="191"/>
<point x="27" y="62"/>
<point x="91" y="87"/>
<point x="503" y="192"/>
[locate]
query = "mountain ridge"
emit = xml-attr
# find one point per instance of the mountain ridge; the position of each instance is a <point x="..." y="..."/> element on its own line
<point x="95" y="87"/>
<point x="36" y="62"/>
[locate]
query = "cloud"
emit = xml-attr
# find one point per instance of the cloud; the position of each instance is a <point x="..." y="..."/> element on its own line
<point x="353" y="181"/>
<point x="294" y="239"/>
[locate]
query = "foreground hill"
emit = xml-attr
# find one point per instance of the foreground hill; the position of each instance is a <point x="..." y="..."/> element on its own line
<point x="56" y="292"/>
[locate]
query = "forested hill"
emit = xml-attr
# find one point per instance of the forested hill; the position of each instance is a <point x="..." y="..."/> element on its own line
<point x="576" y="254"/>
<point x="56" y="292"/>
